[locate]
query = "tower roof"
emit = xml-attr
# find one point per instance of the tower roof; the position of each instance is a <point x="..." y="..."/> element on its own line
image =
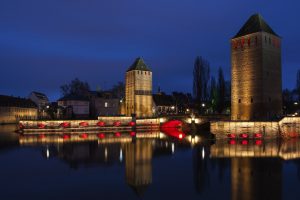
<point x="139" y="64"/>
<point x="253" y="25"/>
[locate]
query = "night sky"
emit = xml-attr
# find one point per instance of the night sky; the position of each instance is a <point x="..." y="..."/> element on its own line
<point x="46" y="43"/>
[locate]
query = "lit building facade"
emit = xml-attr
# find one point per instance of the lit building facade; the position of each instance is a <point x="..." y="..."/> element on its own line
<point x="138" y="91"/>
<point x="13" y="109"/>
<point x="256" y="92"/>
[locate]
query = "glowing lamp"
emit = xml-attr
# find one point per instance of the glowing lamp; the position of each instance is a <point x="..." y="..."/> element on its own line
<point x="117" y="134"/>
<point x="65" y="125"/>
<point x="117" y="123"/>
<point x="244" y="135"/>
<point x="84" y="135"/>
<point x="231" y="135"/>
<point x="258" y="135"/>
<point x="232" y="142"/>
<point x="83" y="124"/>
<point x="132" y="133"/>
<point x="180" y="136"/>
<point x="41" y="125"/>
<point x="258" y="142"/>
<point x="101" y="124"/>
<point x="101" y="135"/>
<point x="21" y="126"/>
<point x="244" y="142"/>
<point x="65" y="137"/>
<point x="131" y="123"/>
<point x="41" y="136"/>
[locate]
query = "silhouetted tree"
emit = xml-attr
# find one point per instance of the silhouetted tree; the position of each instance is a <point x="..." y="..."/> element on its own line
<point x="213" y="94"/>
<point x="298" y="84"/>
<point x="221" y="91"/>
<point x="118" y="90"/>
<point x="76" y="87"/>
<point x="201" y="74"/>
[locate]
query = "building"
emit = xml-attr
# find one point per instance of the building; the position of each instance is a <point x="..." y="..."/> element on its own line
<point x="40" y="99"/>
<point x="42" y="102"/>
<point x="164" y="104"/>
<point x="256" y="72"/>
<point x="138" y="91"/>
<point x="104" y="104"/>
<point x="75" y="106"/>
<point x="13" y="109"/>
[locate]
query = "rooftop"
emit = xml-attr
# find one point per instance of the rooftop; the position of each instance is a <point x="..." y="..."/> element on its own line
<point x="139" y="64"/>
<point x="253" y="25"/>
<point x="10" y="101"/>
<point x="40" y="95"/>
<point x="73" y="98"/>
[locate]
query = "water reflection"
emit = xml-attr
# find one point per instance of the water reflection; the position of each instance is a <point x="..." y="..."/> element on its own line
<point x="253" y="178"/>
<point x="209" y="169"/>
<point x="138" y="165"/>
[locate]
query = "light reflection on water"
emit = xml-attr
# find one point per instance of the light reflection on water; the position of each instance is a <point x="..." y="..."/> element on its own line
<point x="148" y="166"/>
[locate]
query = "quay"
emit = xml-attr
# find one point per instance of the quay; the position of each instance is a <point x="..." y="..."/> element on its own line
<point x="287" y="127"/>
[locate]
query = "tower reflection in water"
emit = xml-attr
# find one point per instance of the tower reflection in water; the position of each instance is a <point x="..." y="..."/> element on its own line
<point x="251" y="171"/>
<point x="256" y="178"/>
<point x="138" y="165"/>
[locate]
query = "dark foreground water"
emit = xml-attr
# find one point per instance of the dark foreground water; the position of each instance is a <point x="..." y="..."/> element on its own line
<point x="153" y="166"/>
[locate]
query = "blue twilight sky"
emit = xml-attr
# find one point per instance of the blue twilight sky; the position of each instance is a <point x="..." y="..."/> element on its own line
<point x="46" y="43"/>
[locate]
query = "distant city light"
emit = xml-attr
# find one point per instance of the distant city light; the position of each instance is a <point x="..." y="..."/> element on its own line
<point x="203" y="104"/>
<point x="295" y="103"/>
<point x="121" y="155"/>
<point x="173" y="148"/>
<point x="47" y="153"/>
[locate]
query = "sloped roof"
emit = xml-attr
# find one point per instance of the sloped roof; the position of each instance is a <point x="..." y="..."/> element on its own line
<point x="163" y="100"/>
<point x="73" y="98"/>
<point x="139" y="64"/>
<point x="10" y="101"/>
<point x="253" y="25"/>
<point x="40" y="95"/>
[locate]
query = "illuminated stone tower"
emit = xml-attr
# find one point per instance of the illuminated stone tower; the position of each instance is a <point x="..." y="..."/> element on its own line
<point x="138" y="94"/>
<point x="255" y="72"/>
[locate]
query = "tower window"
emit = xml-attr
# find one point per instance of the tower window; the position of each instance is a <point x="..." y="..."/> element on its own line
<point x="269" y="40"/>
<point x="256" y="40"/>
<point x="249" y="42"/>
<point x="105" y="104"/>
<point x="265" y="39"/>
<point x="251" y="100"/>
<point x="240" y="100"/>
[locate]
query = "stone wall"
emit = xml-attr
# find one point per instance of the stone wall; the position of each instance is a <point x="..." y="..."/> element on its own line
<point x="287" y="127"/>
<point x="138" y="93"/>
<point x="256" y="77"/>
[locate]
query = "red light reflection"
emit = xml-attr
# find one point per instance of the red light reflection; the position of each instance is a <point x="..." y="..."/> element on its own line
<point x="101" y="135"/>
<point x="173" y="128"/>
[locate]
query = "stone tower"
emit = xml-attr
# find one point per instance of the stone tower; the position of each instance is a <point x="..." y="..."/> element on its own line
<point x="255" y="72"/>
<point x="138" y="92"/>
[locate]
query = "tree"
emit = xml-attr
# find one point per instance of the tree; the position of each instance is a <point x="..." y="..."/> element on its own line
<point x="201" y="74"/>
<point x="76" y="87"/>
<point x="213" y="94"/>
<point x="221" y="91"/>
<point x="118" y="90"/>
<point x="298" y="84"/>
